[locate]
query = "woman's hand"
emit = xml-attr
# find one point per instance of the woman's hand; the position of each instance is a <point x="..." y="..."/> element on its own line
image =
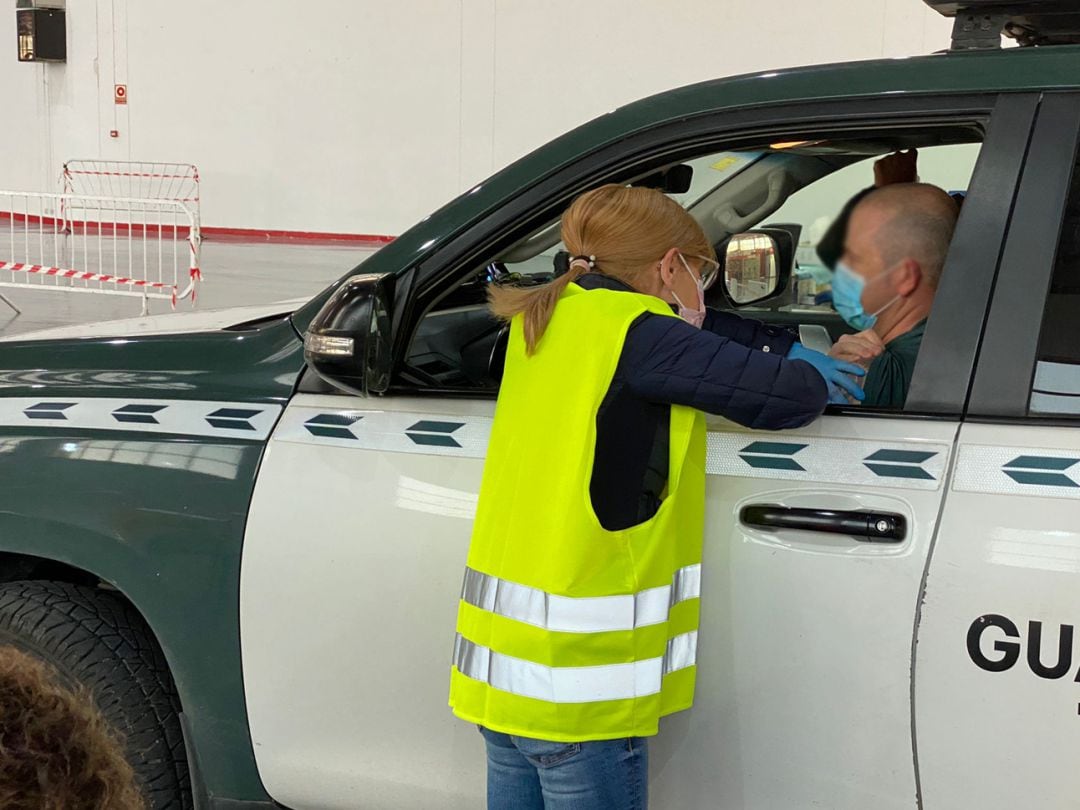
<point x="839" y="374"/>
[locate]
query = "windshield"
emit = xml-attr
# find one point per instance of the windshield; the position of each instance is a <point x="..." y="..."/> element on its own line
<point x="711" y="171"/>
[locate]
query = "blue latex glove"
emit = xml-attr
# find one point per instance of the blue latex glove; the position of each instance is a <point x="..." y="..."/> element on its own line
<point x="835" y="372"/>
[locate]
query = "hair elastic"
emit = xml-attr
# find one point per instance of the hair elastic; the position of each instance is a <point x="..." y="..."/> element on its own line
<point x="588" y="261"/>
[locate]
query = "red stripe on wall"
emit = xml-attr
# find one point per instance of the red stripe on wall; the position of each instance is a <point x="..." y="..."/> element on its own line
<point x="93" y="228"/>
<point x="267" y="235"/>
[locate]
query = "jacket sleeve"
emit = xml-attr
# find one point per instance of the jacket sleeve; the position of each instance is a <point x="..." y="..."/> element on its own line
<point x="668" y="360"/>
<point x="748" y="332"/>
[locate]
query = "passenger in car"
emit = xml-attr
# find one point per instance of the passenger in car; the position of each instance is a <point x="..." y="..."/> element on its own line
<point x="885" y="282"/>
<point x="898" y="167"/>
<point x="578" y="616"/>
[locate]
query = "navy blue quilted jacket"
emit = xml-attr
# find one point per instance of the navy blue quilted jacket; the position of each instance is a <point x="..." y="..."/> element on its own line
<point x="733" y="367"/>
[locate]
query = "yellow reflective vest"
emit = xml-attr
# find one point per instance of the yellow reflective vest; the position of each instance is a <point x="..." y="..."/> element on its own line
<point x="566" y="631"/>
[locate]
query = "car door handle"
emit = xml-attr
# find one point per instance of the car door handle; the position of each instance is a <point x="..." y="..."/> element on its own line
<point x="863" y="525"/>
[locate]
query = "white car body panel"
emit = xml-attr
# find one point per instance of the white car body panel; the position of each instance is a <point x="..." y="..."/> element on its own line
<point x="352" y="567"/>
<point x="349" y="583"/>
<point x="1003" y="739"/>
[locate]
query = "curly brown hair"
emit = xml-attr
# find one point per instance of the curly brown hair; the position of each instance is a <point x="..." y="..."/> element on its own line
<point x="56" y="750"/>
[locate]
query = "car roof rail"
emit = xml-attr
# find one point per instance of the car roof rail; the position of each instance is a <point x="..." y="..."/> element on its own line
<point x="979" y="24"/>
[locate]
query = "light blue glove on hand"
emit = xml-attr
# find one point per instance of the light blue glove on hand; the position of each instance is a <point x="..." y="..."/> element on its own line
<point x="835" y="372"/>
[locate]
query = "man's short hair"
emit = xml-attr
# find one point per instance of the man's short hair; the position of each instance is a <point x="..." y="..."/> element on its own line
<point x="920" y="221"/>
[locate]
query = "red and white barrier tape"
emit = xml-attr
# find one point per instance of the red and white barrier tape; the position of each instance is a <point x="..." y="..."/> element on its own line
<point x="80" y="275"/>
<point x="194" y="277"/>
<point x="70" y="172"/>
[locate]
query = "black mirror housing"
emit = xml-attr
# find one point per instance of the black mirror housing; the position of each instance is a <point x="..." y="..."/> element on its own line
<point x="672" y="180"/>
<point x="348" y="343"/>
<point x="784" y="244"/>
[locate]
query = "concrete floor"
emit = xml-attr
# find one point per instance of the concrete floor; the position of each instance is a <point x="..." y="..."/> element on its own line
<point x="234" y="274"/>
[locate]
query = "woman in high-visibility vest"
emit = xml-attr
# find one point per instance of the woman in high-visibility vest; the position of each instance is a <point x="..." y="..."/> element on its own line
<point x="577" y="625"/>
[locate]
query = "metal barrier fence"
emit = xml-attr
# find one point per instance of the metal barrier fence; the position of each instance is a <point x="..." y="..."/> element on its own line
<point x="134" y="179"/>
<point x="144" y="248"/>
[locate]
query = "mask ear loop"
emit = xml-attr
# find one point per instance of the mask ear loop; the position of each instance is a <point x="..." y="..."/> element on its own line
<point x="698" y="279"/>
<point x="882" y="309"/>
<point x="895" y="298"/>
<point x="697" y="282"/>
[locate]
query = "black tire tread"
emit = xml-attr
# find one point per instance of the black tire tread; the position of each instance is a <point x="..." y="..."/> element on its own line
<point x="96" y="639"/>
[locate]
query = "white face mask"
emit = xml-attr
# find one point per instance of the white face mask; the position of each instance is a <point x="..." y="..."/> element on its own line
<point x="694" y="317"/>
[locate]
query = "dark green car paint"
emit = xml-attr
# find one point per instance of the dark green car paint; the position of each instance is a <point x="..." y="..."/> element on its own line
<point x="1012" y="70"/>
<point x="231" y="366"/>
<point x="170" y="537"/>
<point x="158" y="516"/>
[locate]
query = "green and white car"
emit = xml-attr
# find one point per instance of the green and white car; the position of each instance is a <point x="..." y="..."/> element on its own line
<point x="253" y="556"/>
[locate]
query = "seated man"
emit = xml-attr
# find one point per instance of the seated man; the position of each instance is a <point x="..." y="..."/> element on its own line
<point x="899" y="167"/>
<point x="885" y="281"/>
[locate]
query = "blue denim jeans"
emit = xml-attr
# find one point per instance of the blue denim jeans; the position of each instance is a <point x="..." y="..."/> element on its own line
<point x="527" y="774"/>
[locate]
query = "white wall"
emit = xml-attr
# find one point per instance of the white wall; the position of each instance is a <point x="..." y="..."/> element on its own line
<point x="361" y="116"/>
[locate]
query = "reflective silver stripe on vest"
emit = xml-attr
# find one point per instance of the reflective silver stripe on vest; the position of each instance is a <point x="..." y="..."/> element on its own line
<point x="566" y="614"/>
<point x="573" y="684"/>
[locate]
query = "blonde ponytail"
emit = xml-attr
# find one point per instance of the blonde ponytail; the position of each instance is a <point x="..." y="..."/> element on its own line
<point x="535" y="304"/>
<point x="623" y="230"/>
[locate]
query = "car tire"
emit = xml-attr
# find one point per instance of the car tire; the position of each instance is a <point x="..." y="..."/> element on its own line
<point x="95" y="639"/>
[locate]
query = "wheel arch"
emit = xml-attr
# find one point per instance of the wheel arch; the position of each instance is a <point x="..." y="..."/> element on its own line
<point x="213" y="709"/>
<point x="22" y="567"/>
<point x="15" y="566"/>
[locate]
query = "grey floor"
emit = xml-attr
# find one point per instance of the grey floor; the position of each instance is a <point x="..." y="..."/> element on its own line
<point x="234" y="274"/>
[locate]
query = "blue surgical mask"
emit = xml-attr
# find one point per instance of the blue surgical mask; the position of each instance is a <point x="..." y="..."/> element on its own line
<point x="847" y="290"/>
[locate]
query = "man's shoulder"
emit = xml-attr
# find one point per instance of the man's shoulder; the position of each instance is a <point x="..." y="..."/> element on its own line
<point x="911" y="338"/>
<point x="889" y="375"/>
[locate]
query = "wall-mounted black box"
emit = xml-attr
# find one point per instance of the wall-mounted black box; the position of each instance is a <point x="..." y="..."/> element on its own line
<point x="42" y="34"/>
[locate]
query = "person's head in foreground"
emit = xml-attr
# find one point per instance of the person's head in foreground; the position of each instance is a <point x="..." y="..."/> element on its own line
<point x="56" y="750"/>
<point x="639" y="236"/>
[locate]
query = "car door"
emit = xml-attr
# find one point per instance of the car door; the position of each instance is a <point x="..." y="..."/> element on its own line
<point x="807" y="638"/>
<point x="996" y="671"/>
<point x="359" y="528"/>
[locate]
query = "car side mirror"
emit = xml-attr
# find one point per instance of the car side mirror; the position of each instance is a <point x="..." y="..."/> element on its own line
<point x="757" y="265"/>
<point x="348" y="343"/>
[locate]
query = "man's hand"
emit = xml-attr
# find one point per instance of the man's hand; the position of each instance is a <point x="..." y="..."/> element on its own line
<point x="860" y="348"/>
<point x="899" y="167"/>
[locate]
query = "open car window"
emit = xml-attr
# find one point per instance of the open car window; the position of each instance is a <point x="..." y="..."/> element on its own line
<point x="708" y="174"/>
<point x="457" y="343"/>
<point x="812" y="209"/>
<point x="799" y="185"/>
